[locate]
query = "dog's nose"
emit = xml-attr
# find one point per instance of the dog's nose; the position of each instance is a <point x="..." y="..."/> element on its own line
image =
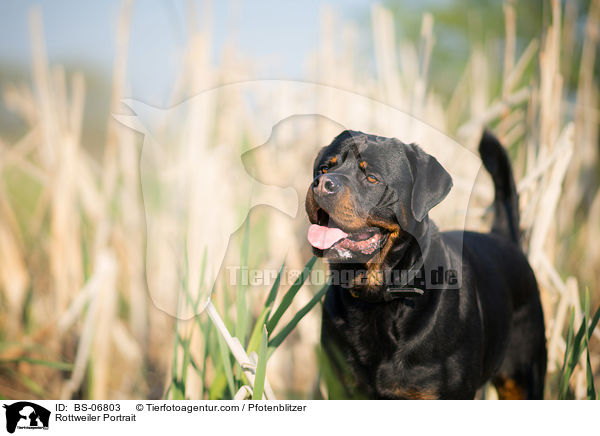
<point x="326" y="184"/>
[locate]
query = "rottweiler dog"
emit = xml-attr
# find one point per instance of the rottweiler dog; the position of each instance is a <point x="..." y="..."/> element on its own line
<point x="403" y="335"/>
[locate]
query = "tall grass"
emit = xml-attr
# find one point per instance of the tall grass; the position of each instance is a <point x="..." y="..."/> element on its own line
<point x="243" y="378"/>
<point x="73" y="290"/>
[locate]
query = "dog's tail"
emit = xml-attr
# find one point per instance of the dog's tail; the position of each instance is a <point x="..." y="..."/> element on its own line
<point x="506" y="200"/>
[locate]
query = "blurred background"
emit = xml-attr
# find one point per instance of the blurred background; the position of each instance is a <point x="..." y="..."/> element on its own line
<point x="76" y="316"/>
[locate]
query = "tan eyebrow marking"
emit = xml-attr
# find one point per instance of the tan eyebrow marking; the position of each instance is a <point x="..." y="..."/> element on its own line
<point x="363" y="164"/>
<point x="333" y="160"/>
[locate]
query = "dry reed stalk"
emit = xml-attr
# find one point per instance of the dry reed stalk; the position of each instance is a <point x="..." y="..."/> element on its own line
<point x="194" y="122"/>
<point x="130" y="232"/>
<point x="425" y="49"/>
<point x="549" y="200"/>
<point x="129" y="239"/>
<point x="516" y="73"/>
<point x="386" y="55"/>
<point x="510" y="26"/>
<point x="110" y="166"/>
<point x="19" y="99"/>
<point x="100" y="283"/>
<point x="508" y="122"/>
<point x="551" y="183"/>
<point x="13" y="274"/>
<point x="556" y="343"/>
<point x="551" y="83"/>
<point x="581" y="182"/>
<point x="489" y="113"/>
<point x="101" y="356"/>
<point x="457" y="104"/>
<point x="531" y="143"/>
<point x="588" y="265"/>
<point x="59" y="153"/>
<point x="104" y="319"/>
<point x="478" y="98"/>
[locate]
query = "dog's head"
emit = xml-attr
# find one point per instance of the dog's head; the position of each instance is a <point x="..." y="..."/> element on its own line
<point x="369" y="195"/>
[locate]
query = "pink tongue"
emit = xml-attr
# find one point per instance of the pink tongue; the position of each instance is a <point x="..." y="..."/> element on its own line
<point x="324" y="237"/>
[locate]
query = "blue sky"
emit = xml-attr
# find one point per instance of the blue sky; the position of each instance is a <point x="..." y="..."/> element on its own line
<point x="282" y="33"/>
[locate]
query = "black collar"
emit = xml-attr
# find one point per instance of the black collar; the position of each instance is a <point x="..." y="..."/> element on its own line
<point x="400" y="292"/>
<point x="406" y="295"/>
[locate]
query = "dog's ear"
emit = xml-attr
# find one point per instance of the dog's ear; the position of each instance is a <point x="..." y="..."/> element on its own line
<point x="431" y="182"/>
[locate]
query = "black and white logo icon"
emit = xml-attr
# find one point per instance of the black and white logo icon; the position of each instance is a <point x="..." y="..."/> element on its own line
<point x="26" y="415"/>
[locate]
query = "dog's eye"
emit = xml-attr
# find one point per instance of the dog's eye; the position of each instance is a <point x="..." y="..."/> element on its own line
<point x="372" y="179"/>
<point x="323" y="168"/>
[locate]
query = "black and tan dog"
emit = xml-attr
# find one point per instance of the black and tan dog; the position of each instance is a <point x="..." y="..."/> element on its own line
<point x="402" y="336"/>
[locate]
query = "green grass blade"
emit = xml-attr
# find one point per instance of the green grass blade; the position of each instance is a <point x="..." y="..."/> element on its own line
<point x="32" y="385"/>
<point x="285" y="331"/>
<point x="289" y="296"/>
<point x="195" y="366"/>
<point x="185" y="364"/>
<point x="275" y="288"/>
<point x="174" y="363"/>
<point x="579" y="337"/>
<point x="177" y="387"/>
<point x="226" y="364"/>
<point x="206" y="330"/>
<point x="241" y="304"/>
<point x="333" y="386"/>
<point x="576" y="344"/>
<point x="591" y="390"/>
<point x="177" y="390"/>
<point x="586" y="310"/>
<point x="594" y="322"/>
<point x="199" y="298"/>
<point x="227" y="319"/>
<point x="565" y="374"/>
<point x="217" y="387"/>
<point x="62" y="366"/>
<point x="261" y="367"/>
<point x="27" y="382"/>
<point x="255" y="337"/>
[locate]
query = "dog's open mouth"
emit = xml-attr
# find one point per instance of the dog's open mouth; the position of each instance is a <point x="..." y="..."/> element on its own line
<point x="326" y="234"/>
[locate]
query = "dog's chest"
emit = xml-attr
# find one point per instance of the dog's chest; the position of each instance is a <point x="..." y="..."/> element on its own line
<point x="369" y="334"/>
